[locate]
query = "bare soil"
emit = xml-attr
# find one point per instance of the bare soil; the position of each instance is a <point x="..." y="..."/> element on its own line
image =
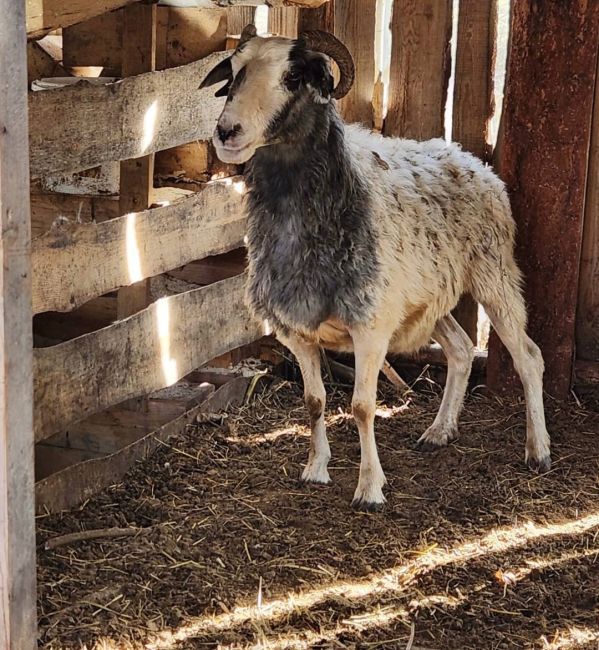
<point x="472" y="551"/>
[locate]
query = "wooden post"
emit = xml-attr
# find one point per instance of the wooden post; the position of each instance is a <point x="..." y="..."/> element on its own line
<point x="137" y="175"/>
<point x="420" y="68"/>
<point x="322" y="18"/>
<point x="587" y="318"/>
<point x="238" y="18"/>
<point x="473" y="102"/>
<point x="283" y="21"/>
<point x="544" y="148"/>
<point x="355" y="25"/>
<point x="17" y="523"/>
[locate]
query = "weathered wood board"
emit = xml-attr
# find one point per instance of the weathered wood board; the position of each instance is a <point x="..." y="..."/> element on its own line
<point x="473" y="102"/>
<point x="355" y="25"/>
<point x="420" y="68"/>
<point x="543" y="160"/>
<point x="145" y="352"/>
<point x="587" y="318"/>
<point x="74" y="262"/>
<point x="74" y="484"/>
<point x="127" y="119"/>
<point x="17" y="524"/>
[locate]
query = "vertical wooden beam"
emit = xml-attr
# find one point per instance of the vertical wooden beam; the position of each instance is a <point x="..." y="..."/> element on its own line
<point x="137" y="175"/>
<point x="322" y="18"/>
<point x="473" y="101"/>
<point x="355" y="25"/>
<point x="587" y="317"/>
<point x="238" y="18"/>
<point x="283" y="21"/>
<point x="546" y="128"/>
<point x="17" y="523"/>
<point x="420" y="68"/>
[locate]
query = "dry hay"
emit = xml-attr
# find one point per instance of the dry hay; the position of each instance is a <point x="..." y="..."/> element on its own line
<point x="472" y="551"/>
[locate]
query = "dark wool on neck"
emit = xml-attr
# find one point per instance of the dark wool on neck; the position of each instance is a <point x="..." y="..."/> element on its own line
<point x="311" y="241"/>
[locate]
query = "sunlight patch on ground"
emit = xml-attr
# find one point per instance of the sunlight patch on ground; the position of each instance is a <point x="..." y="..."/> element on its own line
<point x="574" y="637"/>
<point x="398" y="578"/>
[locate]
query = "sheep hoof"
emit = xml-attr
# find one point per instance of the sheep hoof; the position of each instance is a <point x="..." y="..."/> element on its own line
<point x="435" y="437"/>
<point x="360" y="505"/>
<point x="539" y="465"/>
<point x="316" y="473"/>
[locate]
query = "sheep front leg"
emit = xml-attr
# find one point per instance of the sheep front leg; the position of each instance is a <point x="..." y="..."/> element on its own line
<point x="369" y="349"/>
<point x="308" y="357"/>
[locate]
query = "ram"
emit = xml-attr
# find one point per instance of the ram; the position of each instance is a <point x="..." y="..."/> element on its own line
<point x="362" y="243"/>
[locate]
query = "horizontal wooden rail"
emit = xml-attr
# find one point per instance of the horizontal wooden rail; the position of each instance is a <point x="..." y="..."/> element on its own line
<point x="83" y="125"/>
<point x="145" y="352"/>
<point x="44" y="16"/>
<point x="74" y="262"/>
<point x="215" y="4"/>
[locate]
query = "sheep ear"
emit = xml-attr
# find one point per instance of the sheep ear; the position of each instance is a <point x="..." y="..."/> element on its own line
<point x="223" y="71"/>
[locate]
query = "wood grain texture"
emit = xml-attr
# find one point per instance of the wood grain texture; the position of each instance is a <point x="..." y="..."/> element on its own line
<point x="44" y="16"/>
<point x="587" y="318"/>
<point x="127" y="119"/>
<point x="238" y="18"/>
<point x="17" y="530"/>
<point x="74" y="262"/>
<point x="543" y="160"/>
<point x="355" y="25"/>
<point x="420" y="68"/>
<point x="137" y="175"/>
<point x="283" y="21"/>
<point x="322" y="17"/>
<point x="145" y="352"/>
<point x="473" y="102"/>
<point x="74" y="484"/>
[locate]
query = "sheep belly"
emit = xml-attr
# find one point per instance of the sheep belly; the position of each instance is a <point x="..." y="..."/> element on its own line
<point x="332" y="334"/>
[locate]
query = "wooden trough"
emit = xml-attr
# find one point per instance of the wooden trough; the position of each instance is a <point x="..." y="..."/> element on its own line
<point x="128" y="250"/>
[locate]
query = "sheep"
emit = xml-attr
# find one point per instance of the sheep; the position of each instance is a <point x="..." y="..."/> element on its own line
<point x="364" y="244"/>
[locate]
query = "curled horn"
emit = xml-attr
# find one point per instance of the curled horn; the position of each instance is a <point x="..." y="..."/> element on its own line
<point x="327" y="44"/>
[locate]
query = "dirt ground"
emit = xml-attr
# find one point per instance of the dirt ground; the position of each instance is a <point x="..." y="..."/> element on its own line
<point x="471" y="552"/>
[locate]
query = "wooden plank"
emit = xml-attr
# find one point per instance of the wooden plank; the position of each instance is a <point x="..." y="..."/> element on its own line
<point x="193" y="34"/>
<point x="126" y="119"/>
<point x="587" y="317"/>
<point x="145" y="352"/>
<point x="473" y="102"/>
<point x="137" y="176"/>
<point x="243" y="3"/>
<point x="355" y="25"/>
<point x="282" y="21"/>
<point x="17" y="529"/>
<point x="322" y="17"/>
<point x="544" y="155"/>
<point x="74" y="484"/>
<point x="74" y="262"/>
<point x="238" y="18"/>
<point x="45" y="16"/>
<point x="587" y="372"/>
<point x="420" y="67"/>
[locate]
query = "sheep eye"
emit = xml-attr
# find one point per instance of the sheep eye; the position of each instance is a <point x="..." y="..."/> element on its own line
<point x="292" y="80"/>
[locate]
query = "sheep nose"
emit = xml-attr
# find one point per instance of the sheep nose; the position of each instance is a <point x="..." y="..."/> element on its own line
<point x="225" y="133"/>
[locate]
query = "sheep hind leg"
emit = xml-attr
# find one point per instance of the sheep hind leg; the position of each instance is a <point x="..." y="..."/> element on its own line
<point x="459" y="350"/>
<point x="369" y="349"/>
<point x="308" y="357"/>
<point x="529" y="365"/>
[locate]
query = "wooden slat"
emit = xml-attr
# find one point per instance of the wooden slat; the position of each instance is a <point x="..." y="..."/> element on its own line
<point x="137" y="176"/>
<point x="71" y="486"/>
<point x="587" y="317"/>
<point x="74" y="262"/>
<point x="40" y="63"/>
<point x="17" y="531"/>
<point x="282" y="21"/>
<point x="243" y="3"/>
<point x="127" y="119"/>
<point x="544" y="154"/>
<point x="238" y="18"/>
<point x="45" y="16"/>
<point x="420" y="67"/>
<point x="145" y="352"/>
<point x="473" y="102"/>
<point x="322" y="17"/>
<point x="355" y="24"/>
